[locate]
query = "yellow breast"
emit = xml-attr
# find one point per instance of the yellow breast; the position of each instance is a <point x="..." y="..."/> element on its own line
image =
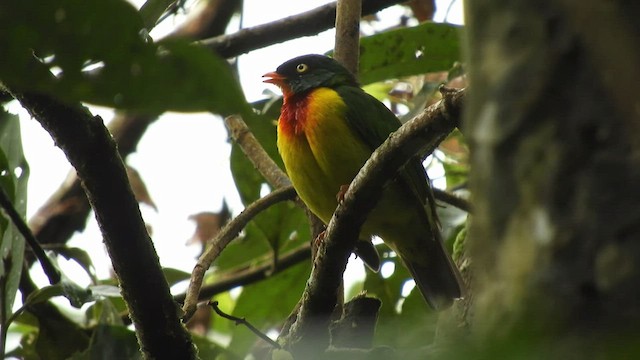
<point x="325" y="155"/>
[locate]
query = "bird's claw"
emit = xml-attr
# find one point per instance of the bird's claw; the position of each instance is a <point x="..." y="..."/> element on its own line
<point x="341" y="193"/>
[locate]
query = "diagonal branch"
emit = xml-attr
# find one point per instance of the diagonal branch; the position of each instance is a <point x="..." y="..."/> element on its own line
<point x="223" y="238"/>
<point x="240" y="133"/>
<point x="252" y="274"/>
<point x="91" y="150"/>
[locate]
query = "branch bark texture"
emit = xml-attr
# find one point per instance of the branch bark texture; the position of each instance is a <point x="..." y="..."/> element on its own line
<point x="554" y="155"/>
<point x="347" y="48"/>
<point x="92" y="152"/>
<point x="292" y="27"/>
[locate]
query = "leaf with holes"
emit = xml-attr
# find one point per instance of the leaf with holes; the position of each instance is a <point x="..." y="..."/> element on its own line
<point x="409" y="51"/>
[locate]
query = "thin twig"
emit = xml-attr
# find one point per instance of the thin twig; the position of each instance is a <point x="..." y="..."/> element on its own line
<point x="243" y="321"/>
<point x="223" y="238"/>
<point x="305" y="24"/>
<point x="252" y="274"/>
<point x="49" y="269"/>
<point x="453" y="200"/>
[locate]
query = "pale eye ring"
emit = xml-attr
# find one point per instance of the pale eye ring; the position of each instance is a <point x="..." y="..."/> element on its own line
<point x="300" y="68"/>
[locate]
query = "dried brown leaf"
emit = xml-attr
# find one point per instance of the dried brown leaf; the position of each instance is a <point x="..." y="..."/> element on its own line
<point x="139" y="188"/>
<point x="208" y="224"/>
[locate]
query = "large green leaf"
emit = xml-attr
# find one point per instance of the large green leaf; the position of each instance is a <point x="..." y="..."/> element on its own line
<point x="132" y="72"/>
<point x="12" y="164"/>
<point x="409" y="51"/>
<point x="267" y="304"/>
<point x="111" y="342"/>
<point x="414" y="316"/>
<point x="282" y="227"/>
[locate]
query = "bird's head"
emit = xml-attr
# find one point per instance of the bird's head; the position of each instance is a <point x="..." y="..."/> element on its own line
<point x="307" y="72"/>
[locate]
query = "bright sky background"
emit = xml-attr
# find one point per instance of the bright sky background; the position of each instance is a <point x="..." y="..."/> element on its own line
<point x="183" y="158"/>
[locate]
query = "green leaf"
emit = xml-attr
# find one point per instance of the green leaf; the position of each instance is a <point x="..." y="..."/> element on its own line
<point x="152" y="10"/>
<point x="43" y="294"/>
<point x="208" y="349"/>
<point x="81" y="257"/>
<point x="12" y="163"/>
<point x="459" y="243"/>
<point x="76" y="295"/>
<point x="409" y="51"/>
<point x="267" y="303"/>
<point x="58" y="337"/>
<point x="174" y="276"/>
<point x="103" y="312"/>
<point x="111" y="342"/>
<point x="130" y="72"/>
<point x="419" y="320"/>
<point x="244" y="250"/>
<point x="455" y="173"/>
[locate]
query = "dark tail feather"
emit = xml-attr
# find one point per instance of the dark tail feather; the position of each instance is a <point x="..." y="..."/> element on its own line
<point x="368" y="253"/>
<point x="437" y="278"/>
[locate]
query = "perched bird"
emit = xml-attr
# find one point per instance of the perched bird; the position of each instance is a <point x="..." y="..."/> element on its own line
<point x="328" y="128"/>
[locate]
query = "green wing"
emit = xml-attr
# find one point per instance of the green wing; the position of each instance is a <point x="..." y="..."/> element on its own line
<point x="372" y="121"/>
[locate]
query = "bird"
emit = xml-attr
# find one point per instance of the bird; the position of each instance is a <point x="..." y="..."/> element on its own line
<point x="327" y="129"/>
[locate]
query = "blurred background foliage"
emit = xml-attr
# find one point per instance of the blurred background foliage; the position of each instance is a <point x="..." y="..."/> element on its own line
<point x="98" y="52"/>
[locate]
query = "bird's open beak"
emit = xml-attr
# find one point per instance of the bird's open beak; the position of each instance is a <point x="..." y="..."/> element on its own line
<point x="274" y="78"/>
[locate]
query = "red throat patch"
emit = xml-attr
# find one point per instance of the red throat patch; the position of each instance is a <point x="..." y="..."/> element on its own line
<point x="293" y="115"/>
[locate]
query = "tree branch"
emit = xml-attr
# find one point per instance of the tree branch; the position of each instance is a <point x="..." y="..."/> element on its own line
<point x="292" y="27"/>
<point x="66" y="211"/>
<point x="425" y="131"/>
<point x="91" y="150"/>
<point x="347" y="40"/>
<point x="240" y="133"/>
<point x="251" y="275"/>
<point x="243" y="321"/>
<point x="223" y="238"/>
<point x="453" y="200"/>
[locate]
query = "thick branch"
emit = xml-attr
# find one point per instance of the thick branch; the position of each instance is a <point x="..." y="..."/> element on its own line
<point x="91" y="150"/>
<point x="292" y="27"/>
<point x="425" y="131"/>
<point x="66" y="211"/>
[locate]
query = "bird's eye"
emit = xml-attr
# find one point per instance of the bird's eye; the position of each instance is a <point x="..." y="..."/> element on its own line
<point x="300" y="68"/>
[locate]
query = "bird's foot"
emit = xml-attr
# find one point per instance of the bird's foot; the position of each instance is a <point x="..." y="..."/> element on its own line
<point x="341" y="193"/>
<point x="318" y="239"/>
